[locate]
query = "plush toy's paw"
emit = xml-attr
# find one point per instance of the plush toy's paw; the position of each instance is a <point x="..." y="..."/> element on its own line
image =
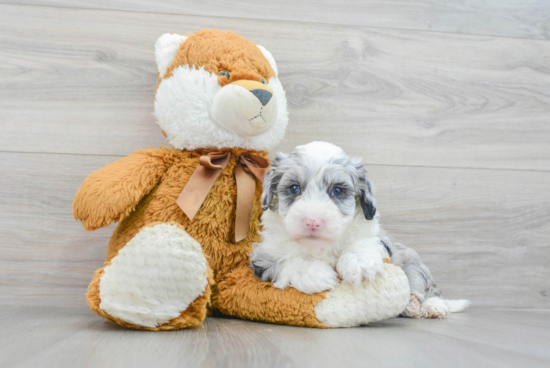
<point x="153" y="280"/>
<point x="313" y="277"/>
<point x="434" y="308"/>
<point x="355" y="268"/>
<point x="242" y="295"/>
<point x="414" y="308"/>
<point x="349" y="305"/>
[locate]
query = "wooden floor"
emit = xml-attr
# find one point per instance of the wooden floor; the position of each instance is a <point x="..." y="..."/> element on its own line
<point x="74" y="337"/>
<point x="448" y="102"/>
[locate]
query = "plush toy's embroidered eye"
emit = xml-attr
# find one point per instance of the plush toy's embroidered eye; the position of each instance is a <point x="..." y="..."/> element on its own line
<point x="295" y="189"/>
<point x="224" y="73"/>
<point x="337" y="192"/>
<point x="263" y="80"/>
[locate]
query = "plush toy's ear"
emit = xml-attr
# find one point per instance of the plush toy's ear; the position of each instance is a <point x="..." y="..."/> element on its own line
<point x="166" y="49"/>
<point x="269" y="58"/>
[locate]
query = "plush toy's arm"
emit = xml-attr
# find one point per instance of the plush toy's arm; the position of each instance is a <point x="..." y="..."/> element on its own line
<point x="112" y="192"/>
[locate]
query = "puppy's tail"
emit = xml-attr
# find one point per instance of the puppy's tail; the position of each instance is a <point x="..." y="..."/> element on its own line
<point x="457" y="305"/>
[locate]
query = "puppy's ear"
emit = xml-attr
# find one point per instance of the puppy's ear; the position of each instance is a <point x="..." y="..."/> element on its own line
<point x="269" y="189"/>
<point x="271" y="182"/>
<point x="365" y="189"/>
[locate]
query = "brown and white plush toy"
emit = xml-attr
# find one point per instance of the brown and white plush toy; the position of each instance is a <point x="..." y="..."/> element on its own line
<point x="188" y="215"/>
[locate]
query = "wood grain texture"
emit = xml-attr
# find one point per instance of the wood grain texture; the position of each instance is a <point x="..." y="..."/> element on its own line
<point x="484" y="234"/>
<point x="397" y="97"/>
<point x="511" y="18"/>
<point x="455" y="129"/>
<point x="74" y="337"/>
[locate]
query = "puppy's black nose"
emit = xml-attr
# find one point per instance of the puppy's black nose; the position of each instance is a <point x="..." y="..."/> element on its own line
<point x="262" y="95"/>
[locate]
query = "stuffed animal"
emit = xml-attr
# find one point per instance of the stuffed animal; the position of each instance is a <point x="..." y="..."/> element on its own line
<point x="188" y="215"/>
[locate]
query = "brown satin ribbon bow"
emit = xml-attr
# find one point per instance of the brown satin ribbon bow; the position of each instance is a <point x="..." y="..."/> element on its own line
<point x="249" y="167"/>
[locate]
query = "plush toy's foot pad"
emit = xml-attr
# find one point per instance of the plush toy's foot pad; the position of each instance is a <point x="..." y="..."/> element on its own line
<point x="348" y="305"/>
<point x="243" y="295"/>
<point x="414" y="308"/>
<point x="155" y="277"/>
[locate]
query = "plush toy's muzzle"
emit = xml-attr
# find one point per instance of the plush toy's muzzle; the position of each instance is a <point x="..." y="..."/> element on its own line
<point x="245" y="107"/>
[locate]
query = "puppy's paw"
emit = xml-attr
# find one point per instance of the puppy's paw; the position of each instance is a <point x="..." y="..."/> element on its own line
<point x="414" y="308"/>
<point x="354" y="267"/>
<point x="434" y="308"/>
<point x="281" y="283"/>
<point x="314" y="277"/>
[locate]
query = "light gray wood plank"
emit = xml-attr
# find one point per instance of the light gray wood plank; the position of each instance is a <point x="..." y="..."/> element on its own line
<point x="37" y="192"/>
<point x="397" y="97"/>
<point x="47" y="282"/>
<point x="27" y="331"/>
<point x="55" y="263"/>
<point x="73" y="337"/>
<point x="511" y="330"/>
<point x="512" y="18"/>
<point x="484" y="234"/>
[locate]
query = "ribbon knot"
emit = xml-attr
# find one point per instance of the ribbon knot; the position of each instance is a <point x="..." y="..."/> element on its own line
<point x="248" y="168"/>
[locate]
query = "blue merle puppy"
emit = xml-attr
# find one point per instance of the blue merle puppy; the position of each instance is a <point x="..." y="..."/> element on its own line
<point x="321" y="226"/>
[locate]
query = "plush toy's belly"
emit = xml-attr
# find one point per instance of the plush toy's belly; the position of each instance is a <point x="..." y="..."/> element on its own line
<point x="213" y="226"/>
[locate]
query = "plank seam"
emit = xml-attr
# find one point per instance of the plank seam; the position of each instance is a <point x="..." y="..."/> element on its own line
<point x="365" y="161"/>
<point x="280" y="20"/>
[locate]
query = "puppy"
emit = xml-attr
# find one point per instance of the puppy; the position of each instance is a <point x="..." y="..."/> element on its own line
<point x="320" y="225"/>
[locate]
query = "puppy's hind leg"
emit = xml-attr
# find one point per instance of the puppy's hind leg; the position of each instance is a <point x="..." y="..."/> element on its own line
<point x="414" y="308"/>
<point x="424" y="291"/>
<point x="420" y="280"/>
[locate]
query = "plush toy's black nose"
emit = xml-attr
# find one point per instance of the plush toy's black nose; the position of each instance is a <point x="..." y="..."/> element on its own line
<point x="262" y="95"/>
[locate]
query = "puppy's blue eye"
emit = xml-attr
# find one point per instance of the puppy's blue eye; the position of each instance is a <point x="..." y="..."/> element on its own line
<point x="224" y="73"/>
<point x="295" y="189"/>
<point x="337" y="192"/>
<point x="263" y="80"/>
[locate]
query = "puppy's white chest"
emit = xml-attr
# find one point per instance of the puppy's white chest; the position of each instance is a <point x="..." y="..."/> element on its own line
<point x="325" y="255"/>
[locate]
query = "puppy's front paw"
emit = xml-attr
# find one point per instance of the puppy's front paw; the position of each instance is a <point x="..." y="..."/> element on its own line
<point x="314" y="277"/>
<point x="354" y="267"/>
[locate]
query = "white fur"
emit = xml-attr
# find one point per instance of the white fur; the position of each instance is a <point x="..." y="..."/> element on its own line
<point x="186" y="111"/>
<point x="413" y="309"/>
<point x="326" y="212"/>
<point x="155" y="277"/>
<point x="362" y="260"/>
<point x="456" y="306"/>
<point x="182" y="110"/>
<point x="347" y="243"/>
<point x="166" y="49"/>
<point x="435" y="307"/>
<point x="347" y="247"/>
<point x="307" y="275"/>
<point x="315" y="203"/>
<point x="270" y="59"/>
<point x="349" y="305"/>
<point x="426" y="299"/>
<point x="304" y="262"/>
